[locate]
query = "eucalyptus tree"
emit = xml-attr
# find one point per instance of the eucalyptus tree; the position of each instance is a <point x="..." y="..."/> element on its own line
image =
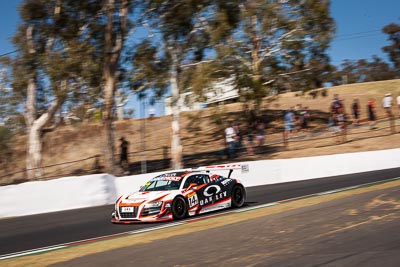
<point x="52" y="57"/>
<point x="362" y="70"/>
<point x="68" y="50"/>
<point x="393" y="50"/>
<point x="116" y="30"/>
<point x="182" y="28"/>
<point x="272" y="39"/>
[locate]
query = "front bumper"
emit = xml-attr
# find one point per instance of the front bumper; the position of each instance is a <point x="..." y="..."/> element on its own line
<point x="157" y="218"/>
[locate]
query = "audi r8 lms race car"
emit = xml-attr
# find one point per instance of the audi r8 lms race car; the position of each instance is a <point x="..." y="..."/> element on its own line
<point x="177" y="195"/>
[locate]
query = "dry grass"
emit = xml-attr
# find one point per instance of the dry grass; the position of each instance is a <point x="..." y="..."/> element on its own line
<point x="202" y="135"/>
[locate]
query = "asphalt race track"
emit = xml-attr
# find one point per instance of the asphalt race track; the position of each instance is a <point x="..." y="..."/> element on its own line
<point x="37" y="231"/>
<point x="358" y="227"/>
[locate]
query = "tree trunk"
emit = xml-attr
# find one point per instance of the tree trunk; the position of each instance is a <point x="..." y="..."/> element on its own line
<point x="34" y="154"/>
<point x="30" y="115"/>
<point x="34" y="142"/>
<point x="176" y="147"/>
<point x="34" y="128"/>
<point x="108" y="125"/>
<point x="113" y="48"/>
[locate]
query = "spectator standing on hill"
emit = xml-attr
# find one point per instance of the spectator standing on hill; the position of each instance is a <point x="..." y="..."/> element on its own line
<point x="355" y="107"/>
<point x="337" y="105"/>
<point x="398" y="103"/>
<point x="338" y="117"/>
<point x="239" y="137"/>
<point x="230" y="141"/>
<point x="123" y="156"/>
<point x="387" y="104"/>
<point x="152" y="112"/>
<point x="304" y="117"/>
<point x="371" y="113"/>
<point x="289" y="124"/>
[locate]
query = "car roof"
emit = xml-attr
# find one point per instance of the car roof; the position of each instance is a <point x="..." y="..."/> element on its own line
<point x="182" y="173"/>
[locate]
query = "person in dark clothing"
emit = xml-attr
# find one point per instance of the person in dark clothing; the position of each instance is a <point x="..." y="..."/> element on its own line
<point x="304" y="117"/>
<point x="123" y="157"/>
<point x="356" y="111"/>
<point x="371" y="113"/>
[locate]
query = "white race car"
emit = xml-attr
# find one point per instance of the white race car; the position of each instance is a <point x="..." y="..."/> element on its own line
<point x="176" y="195"/>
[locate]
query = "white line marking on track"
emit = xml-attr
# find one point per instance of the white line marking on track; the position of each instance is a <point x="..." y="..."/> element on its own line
<point x="30" y="252"/>
<point x="257" y="207"/>
<point x="154" y="228"/>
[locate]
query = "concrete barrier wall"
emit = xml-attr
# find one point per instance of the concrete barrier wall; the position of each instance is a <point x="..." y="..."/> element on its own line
<point x="56" y="195"/>
<point x="95" y="190"/>
<point x="289" y="170"/>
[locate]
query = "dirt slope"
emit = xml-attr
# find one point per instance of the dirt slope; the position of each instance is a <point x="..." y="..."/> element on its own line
<point x="202" y="135"/>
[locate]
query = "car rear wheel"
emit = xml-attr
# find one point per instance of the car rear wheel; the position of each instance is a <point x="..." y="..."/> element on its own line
<point x="179" y="208"/>
<point x="238" y="196"/>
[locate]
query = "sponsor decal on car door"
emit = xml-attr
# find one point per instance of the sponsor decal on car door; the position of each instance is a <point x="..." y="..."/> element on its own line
<point x="213" y="193"/>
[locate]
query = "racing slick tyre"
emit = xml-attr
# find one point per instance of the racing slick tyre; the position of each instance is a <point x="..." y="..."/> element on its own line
<point x="238" y="196"/>
<point x="179" y="208"/>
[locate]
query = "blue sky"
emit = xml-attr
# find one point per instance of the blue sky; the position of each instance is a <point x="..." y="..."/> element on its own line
<point x="359" y="24"/>
<point x="359" y="27"/>
<point x="366" y="17"/>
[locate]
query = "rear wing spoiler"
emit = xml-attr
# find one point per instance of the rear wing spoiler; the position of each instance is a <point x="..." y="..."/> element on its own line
<point x="230" y="167"/>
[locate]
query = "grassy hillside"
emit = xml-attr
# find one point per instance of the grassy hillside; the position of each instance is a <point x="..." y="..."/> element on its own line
<point x="202" y="135"/>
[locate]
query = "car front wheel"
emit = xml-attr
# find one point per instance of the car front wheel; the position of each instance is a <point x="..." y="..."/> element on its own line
<point x="179" y="208"/>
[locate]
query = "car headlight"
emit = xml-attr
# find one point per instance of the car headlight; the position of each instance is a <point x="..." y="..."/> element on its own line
<point x="154" y="204"/>
<point x="152" y="208"/>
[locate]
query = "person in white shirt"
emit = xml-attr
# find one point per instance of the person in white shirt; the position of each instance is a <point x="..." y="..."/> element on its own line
<point x="398" y="103"/>
<point x="230" y="140"/>
<point x="387" y="104"/>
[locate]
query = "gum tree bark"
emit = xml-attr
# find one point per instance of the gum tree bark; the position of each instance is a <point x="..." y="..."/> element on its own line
<point x="113" y="46"/>
<point x="176" y="147"/>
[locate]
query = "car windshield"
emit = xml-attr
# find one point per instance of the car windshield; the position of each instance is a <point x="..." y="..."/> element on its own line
<point x="170" y="181"/>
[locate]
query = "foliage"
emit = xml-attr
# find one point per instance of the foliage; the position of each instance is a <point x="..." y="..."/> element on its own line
<point x="276" y="44"/>
<point x="355" y="71"/>
<point x="58" y="50"/>
<point x="149" y="69"/>
<point x="8" y="101"/>
<point x="74" y="56"/>
<point x="56" y="64"/>
<point x="393" y="30"/>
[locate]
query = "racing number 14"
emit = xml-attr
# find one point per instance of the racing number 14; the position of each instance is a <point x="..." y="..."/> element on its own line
<point x="193" y="200"/>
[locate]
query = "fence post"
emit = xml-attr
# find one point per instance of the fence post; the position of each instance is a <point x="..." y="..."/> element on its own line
<point x="285" y="139"/>
<point x="165" y="156"/>
<point x="344" y="131"/>
<point x="392" y="123"/>
<point x="96" y="164"/>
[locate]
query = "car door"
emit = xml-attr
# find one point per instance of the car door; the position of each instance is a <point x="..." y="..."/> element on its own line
<point x="209" y="189"/>
<point x="198" y="182"/>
